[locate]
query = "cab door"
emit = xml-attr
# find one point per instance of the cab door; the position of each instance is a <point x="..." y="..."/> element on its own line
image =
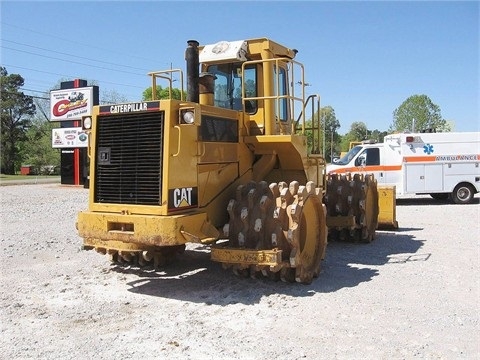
<point x="370" y="161"/>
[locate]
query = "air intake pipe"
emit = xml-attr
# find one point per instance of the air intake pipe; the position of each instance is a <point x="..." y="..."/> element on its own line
<point x="206" y="88"/>
<point x="192" y="59"/>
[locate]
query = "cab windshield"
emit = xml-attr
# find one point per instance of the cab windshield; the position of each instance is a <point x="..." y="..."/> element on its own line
<point x="349" y="156"/>
<point x="228" y="86"/>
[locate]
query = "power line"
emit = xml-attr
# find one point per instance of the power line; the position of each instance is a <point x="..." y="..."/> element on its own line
<point x="22" y="94"/>
<point x="76" y="62"/>
<point x="69" y="61"/>
<point x="70" y="41"/>
<point x="69" y="76"/>
<point x="75" y="56"/>
<point x="39" y="91"/>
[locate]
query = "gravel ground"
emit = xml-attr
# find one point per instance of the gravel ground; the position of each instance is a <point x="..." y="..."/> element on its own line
<point x="412" y="293"/>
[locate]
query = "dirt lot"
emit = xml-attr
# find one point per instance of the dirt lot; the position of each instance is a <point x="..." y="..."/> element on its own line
<point x="412" y="293"/>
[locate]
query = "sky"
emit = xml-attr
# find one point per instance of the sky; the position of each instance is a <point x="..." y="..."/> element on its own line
<point x="364" y="58"/>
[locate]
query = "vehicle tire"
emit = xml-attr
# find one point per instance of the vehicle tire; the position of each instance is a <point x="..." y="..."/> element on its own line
<point x="463" y="194"/>
<point x="440" y="196"/>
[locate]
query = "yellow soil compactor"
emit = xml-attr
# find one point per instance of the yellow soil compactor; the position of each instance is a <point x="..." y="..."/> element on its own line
<point x="236" y="165"/>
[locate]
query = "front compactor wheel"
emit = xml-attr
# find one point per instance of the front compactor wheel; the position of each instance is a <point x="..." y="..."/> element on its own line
<point x="307" y="226"/>
<point x="288" y="218"/>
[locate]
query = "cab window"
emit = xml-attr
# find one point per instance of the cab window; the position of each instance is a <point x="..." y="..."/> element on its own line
<point x="280" y="89"/>
<point x="228" y="86"/>
<point x="369" y="157"/>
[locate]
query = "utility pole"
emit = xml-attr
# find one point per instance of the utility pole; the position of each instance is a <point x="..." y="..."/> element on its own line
<point x="331" y="144"/>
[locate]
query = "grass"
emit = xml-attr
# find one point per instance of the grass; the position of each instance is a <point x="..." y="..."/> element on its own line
<point x="4" y="177"/>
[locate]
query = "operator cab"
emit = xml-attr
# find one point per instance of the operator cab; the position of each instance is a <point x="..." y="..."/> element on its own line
<point x="258" y="77"/>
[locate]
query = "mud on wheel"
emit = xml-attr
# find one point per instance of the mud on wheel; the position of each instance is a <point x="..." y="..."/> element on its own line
<point x="288" y="218"/>
<point x="354" y="196"/>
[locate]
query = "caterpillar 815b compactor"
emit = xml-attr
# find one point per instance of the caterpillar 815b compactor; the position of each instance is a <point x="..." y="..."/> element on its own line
<point x="236" y="165"/>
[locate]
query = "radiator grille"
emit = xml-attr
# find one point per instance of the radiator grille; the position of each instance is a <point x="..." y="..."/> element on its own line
<point x="129" y="158"/>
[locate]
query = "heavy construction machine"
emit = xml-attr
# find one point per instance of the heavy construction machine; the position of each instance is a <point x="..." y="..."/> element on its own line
<point x="236" y="166"/>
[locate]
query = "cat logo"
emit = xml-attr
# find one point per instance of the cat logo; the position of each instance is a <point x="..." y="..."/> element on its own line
<point x="182" y="198"/>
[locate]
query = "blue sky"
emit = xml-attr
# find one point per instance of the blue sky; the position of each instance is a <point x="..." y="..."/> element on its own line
<point x="363" y="58"/>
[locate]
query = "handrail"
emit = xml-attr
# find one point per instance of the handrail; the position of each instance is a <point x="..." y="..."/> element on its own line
<point x="316" y="122"/>
<point x="290" y="96"/>
<point x="179" y="138"/>
<point x="159" y="74"/>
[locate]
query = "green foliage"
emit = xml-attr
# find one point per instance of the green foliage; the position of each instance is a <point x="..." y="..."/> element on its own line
<point x="378" y="135"/>
<point x="329" y="139"/>
<point x="346" y="140"/>
<point x="332" y="139"/>
<point x="162" y="93"/>
<point x="16" y="112"/>
<point x="418" y="111"/>
<point x="37" y="149"/>
<point x="358" y="131"/>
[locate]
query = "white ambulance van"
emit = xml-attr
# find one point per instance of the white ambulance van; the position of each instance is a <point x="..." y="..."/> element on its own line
<point x="444" y="165"/>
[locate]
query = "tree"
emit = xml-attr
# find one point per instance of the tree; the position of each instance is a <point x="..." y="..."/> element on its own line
<point x="358" y="132"/>
<point x="113" y="97"/>
<point x="378" y="135"/>
<point x="332" y="138"/>
<point x="417" y="113"/>
<point x="16" y="112"/>
<point x="162" y="93"/>
<point x="37" y="149"/>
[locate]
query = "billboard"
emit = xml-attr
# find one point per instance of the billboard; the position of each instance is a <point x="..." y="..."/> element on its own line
<point x="69" y="138"/>
<point x="71" y="104"/>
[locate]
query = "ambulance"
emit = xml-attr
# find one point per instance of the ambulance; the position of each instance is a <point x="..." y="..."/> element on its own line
<point x="443" y="165"/>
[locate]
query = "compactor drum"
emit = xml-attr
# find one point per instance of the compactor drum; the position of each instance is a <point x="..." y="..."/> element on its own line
<point x="235" y="166"/>
<point x="284" y="227"/>
<point x="352" y="207"/>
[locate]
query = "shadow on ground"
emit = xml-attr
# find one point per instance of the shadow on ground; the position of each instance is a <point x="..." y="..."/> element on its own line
<point x="195" y="278"/>
<point x="427" y="200"/>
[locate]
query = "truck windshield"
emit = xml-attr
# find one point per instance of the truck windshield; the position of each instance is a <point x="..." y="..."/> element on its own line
<point x="349" y="156"/>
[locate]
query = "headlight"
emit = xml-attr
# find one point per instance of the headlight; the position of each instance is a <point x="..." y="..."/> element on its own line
<point x="87" y="123"/>
<point x="188" y="117"/>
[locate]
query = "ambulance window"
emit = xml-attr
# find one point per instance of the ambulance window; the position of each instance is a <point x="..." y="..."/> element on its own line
<point x="368" y="157"/>
<point x="373" y="156"/>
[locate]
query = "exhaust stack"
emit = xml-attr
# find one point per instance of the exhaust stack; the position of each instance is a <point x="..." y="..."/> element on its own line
<point x="192" y="59"/>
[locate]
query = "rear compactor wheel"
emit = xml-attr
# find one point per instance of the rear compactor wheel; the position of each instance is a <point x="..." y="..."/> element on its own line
<point x="286" y="219"/>
<point x="352" y="207"/>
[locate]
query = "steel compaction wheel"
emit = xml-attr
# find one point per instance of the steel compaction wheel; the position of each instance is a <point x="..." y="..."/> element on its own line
<point x="355" y="196"/>
<point x="290" y="218"/>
